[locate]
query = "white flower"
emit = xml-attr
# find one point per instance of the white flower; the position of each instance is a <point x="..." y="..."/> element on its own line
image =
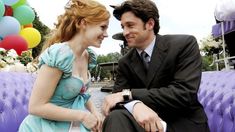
<point x="17" y="67"/>
<point x="209" y="44"/>
<point x="31" y="67"/>
<point x="2" y="49"/>
<point x="2" y="63"/>
<point x="9" y="60"/>
<point x="12" y="53"/>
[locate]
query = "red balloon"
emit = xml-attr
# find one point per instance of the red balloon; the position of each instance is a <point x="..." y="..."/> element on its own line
<point x="8" y="11"/>
<point x="15" y="42"/>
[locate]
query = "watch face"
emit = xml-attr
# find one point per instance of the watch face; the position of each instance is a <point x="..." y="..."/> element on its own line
<point x="126" y="97"/>
<point x="126" y="94"/>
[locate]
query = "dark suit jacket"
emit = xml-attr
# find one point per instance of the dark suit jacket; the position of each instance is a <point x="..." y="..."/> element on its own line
<point x="170" y="86"/>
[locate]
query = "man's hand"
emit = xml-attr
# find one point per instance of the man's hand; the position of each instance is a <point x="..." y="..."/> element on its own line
<point x="110" y="101"/>
<point x="147" y="118"/>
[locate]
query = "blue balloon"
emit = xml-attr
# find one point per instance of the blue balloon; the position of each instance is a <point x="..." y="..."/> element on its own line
<point x="2" y="9"/>
<point x="9" y="26"/>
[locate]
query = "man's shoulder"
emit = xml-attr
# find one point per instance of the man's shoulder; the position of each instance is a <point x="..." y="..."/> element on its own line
<point x="177" y="37"/>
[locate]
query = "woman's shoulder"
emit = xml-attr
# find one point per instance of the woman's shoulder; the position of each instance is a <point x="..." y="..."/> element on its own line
<point x="58" y="55"/>
<point x="58" y="51"/>
<point x="61" y="49"/>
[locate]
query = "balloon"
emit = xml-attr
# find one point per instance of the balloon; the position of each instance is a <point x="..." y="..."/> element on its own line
<point x="15" y="42"/>
<point x="32" y="36"/>
<point x="10" y="2"/>
<point x="2" y="9"/>
<point x="9" y="25"/>
<point x="28" y="25"/>
<point x="24" y="14"/>
<point x="8" y="11"/>
<point x="19" y="3"/>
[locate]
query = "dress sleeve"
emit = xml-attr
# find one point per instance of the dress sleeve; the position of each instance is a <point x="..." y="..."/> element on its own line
<point x="58" y="56"/>
<point x="92" y="59"/>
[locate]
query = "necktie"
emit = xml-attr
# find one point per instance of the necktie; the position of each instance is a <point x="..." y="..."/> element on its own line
<point x="145" y="59"/>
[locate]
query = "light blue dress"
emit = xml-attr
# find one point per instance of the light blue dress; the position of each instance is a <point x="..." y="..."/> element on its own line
<point x="69" y="93"/>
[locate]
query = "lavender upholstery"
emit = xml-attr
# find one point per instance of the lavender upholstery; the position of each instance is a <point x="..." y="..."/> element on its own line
<point x="217" y="95"/>
<point x="15" y="89"/>
<point x="229" y="26"/>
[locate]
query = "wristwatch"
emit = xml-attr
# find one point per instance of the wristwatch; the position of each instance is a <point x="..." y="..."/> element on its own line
<point x="126" y="94"/>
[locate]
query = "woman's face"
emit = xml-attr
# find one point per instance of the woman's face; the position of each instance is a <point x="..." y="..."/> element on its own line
<point x="95" y="33"/>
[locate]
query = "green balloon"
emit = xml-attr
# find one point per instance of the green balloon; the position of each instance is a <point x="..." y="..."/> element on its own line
<point x="24" y="14"/>
<point x="2" y="9"/>
<point x="19" y="3"/>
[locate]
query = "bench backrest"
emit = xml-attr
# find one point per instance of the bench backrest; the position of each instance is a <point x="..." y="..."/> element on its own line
<point x="217" y="95"/>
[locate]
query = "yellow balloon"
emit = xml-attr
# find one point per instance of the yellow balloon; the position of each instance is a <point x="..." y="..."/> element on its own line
<point x="32" y="36"/>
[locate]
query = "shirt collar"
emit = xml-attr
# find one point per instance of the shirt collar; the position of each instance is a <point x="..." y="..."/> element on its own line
<point x="149" y="49"/>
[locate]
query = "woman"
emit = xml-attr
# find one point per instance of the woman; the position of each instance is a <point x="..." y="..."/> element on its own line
<point x="59" y="101"/>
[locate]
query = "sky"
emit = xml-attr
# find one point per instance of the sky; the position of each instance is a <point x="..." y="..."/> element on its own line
<point x="194" y="17"/>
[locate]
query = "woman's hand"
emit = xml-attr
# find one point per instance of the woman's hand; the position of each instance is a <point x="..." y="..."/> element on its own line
<point x="89" y="120"/>
<point x="100" y="119"/>
<point x="91" y="107"/>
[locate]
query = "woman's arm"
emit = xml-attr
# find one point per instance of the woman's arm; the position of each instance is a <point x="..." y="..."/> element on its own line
<point x="43" y="90"/>
<point x="90" y="106"/>
<point x="100" y="118"/>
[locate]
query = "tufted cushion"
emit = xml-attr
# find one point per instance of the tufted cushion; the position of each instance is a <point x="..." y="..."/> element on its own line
<point x="15" y="90"/>
<point x="217" y="95"/>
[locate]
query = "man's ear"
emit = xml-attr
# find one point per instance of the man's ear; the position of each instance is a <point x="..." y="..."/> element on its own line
<point x="150" y="24"/>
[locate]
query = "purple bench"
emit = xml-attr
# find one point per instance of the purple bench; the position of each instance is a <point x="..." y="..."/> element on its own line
<point x="15" y="90"/>
<point x="216" y="93"/>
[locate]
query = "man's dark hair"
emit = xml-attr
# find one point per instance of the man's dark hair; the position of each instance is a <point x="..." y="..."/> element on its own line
<point x="143" y="9"/>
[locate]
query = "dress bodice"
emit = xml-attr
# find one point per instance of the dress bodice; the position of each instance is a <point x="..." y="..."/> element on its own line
<point x="69" y="87"/>
<point x="70" y="92"/>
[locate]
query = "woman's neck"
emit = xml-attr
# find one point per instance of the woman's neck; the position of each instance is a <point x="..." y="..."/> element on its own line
<point x="77" y="45"/>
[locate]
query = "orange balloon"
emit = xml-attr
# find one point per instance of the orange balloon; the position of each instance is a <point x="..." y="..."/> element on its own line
<point x="28" y="25"/>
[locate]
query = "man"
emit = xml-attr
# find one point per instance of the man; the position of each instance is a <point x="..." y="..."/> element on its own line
<point x="165" y="88"/>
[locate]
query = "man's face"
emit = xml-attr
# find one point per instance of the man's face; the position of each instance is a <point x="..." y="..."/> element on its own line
<point x="135" y="31"/>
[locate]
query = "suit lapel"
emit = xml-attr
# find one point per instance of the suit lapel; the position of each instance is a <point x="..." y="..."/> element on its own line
<point x="157" y="58"/>
<point x="137" y="65"/>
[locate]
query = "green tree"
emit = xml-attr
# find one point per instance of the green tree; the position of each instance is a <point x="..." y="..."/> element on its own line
<point x="44" y="30"/>
<point x="206" y="63"/>
<point x="114" y="57"/>
<point x="111" y="57"/>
